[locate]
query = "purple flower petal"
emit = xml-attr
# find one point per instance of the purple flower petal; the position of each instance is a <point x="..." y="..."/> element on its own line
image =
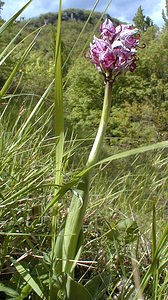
<point x="115" y="51"/>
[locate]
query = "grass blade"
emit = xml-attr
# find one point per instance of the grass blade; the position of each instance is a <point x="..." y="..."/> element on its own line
<point x="80" y="34"/>
<point x="2" y="57"/>
<point x="16" y="68"/>
<point x="8" y="291"/>
<point x="59" y="119"/>
<point x="154" y="266"/>
<point x="34" y="111"/>
<point x="28" y="278"/>
<point x="13" y="18"/>
<point x="68" y="186"/>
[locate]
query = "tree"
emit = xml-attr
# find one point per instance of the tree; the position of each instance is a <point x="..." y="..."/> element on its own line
<point x="1" y="6"/>
<point x="148" y="22"/>
<point x="165" y="14"/>
<point x="141" y="21"/>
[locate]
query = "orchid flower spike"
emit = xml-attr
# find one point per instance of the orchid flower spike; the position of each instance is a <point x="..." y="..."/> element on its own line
<point x="115" y="50"/>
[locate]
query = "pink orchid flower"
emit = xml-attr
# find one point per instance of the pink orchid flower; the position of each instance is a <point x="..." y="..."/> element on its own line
<point x="115" y="50"/>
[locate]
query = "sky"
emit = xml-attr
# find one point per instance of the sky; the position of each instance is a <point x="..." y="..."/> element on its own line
<point x="124" y="10"/>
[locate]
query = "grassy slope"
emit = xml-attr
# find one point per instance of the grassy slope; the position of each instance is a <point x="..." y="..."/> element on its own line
<point x="120" y="209"/>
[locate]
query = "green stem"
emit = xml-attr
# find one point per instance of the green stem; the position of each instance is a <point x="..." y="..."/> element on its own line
<point x="73" y="227"/>
<point x="98" y="142"/>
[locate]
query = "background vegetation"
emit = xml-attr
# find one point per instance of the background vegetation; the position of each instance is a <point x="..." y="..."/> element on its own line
<point x="127" y="212"/>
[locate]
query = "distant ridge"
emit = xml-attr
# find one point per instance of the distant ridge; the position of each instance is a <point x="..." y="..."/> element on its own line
<point x="73" y="14"/>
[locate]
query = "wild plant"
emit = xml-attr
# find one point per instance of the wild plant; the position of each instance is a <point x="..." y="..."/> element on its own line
<point x="42" y="242"/>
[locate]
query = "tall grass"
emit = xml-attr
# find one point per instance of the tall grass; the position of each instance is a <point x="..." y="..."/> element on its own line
<point x="121" y="245"/>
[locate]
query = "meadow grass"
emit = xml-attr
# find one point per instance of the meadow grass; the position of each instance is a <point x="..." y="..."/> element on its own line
<point x="122" y="248"/>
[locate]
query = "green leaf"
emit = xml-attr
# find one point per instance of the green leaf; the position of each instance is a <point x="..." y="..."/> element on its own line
<point x="35" y="109"/>
<point x="128" y="226"/>
<point x="154" y="265"/>
<point x="75" y="291"/>
<point x="59" y="120"/>
<point x="8" y="291"/>
<point x="125" y="230"/>
<point x="97" y="286"/>
<point x="130" y="229"/>
<point x="113" y="234"/>
<point x="61" y="192"/>
<point x="28" y="278"/>
<point x="56" y="254"/>
<point x="58" y="102"/>
<point x="26" y="290"/>
<point x="13" y="18"/>
<point x="5" y="54"/>
<point x="16" y="68"/>
<point x="78" y="250"/>
<point x="134" y="151"/>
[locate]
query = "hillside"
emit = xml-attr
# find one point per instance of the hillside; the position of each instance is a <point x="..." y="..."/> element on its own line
<point x="140" y="96"/>
<point x="83" y="158"/>
<point x="72" y="14"/>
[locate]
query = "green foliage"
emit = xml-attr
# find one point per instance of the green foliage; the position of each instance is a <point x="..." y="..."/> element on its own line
<point x="32" y="193"/>
<point x="125" y="231"/>
<point x="165" y="14"/>
<point x="1" y="7"/>
<point x="141" y="21"/>
<point x="132" y="193"/>
<point x="83" y="97"/>
<point x="135" y="121"/>
<point x="141" y="96"/>
<point x="70" y="14"/>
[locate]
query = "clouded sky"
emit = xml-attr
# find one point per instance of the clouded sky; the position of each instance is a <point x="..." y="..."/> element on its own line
<point x="124" y="10"/>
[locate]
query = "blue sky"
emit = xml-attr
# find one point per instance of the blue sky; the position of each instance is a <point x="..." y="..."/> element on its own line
<point x="124" y="10"/>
